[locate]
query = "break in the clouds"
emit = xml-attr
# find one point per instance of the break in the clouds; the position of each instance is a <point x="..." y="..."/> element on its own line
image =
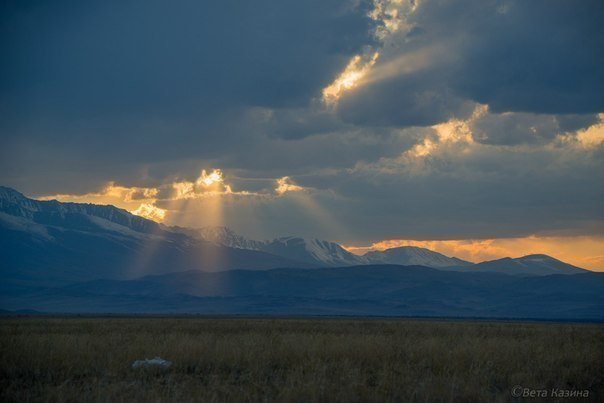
<point x="515" y="56"/>
<point x="353" y="120"/>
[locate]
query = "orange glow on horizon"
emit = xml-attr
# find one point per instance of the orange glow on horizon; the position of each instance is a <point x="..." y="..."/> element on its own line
<point x="583" y="251"/>
<point x="203" y="201"/>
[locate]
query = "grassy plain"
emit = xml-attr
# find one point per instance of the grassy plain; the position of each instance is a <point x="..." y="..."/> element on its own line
<point x="245" y="359"/>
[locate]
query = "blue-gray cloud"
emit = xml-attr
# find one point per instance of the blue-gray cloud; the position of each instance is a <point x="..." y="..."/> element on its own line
<point x="146" y="92"/>
<point x="138" y="58"/>
<point x="538" y="56"/>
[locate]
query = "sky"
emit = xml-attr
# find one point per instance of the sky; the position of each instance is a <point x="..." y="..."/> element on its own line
<point x="475" y="128"/>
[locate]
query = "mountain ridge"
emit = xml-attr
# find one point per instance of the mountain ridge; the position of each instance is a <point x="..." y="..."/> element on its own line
<point x="84" y="258"/>
<point x="50" y="242"/>
<point x="66" y="232"/>
<point x="51" y="211"/>
<point x="321" y="252"/>
<point x="330" y="254"/>
<point x="413" y="255"/>
<point x="533" y="264"/>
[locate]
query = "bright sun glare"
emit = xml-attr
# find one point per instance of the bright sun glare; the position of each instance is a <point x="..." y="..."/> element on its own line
<point x="209" y="179"/>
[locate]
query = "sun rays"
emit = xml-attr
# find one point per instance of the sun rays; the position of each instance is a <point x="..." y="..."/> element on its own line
<point x="210" y="199"/>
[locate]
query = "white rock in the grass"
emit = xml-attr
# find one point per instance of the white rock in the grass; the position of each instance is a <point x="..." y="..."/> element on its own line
<point x="152" y="363"/>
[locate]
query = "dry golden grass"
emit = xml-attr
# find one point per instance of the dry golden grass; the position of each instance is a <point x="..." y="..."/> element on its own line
<point x="89" y="359"/>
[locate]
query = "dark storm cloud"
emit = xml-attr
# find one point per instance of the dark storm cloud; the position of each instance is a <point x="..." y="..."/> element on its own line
<point x="488" y="192"/>
<point x="143" y="57"/>
<point x="148" y="81"/>
<point x="416" y="100"/>
<point x="336" y="150"/>
<point x="536" y="56"/>
<point x="144" y="93"/>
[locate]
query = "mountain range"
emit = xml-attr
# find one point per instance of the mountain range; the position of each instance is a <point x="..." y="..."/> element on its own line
<point x="315" y="252"/>
<point x="53" y="243"/>
<point x="322" y="253"/>
<point x="75" y="257"/>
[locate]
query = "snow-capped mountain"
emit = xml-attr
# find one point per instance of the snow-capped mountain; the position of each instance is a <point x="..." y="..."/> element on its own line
<point x="312" y="251"/>
<point x="81" y="215"/>
<point x="412" y="255"/>
<point x="77" y="241"/>
<point x="325" y="253"/>
<point x="227" y="237"/>
<point x="320" y="253"/>
<point x="218" y="235"/>
<point x="50" y="243"/>
<point x="316" y="251"/>
<point x="73" y="257"/>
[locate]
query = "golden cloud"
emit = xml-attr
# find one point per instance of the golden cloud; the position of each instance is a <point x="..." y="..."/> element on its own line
<point x="207" y="184"/>
<point x="285" y="184"/>
<point x="150" y="212"/>
<point x="355" y="71"/>
<point x="593" y="136"/>
<point x="143" y="201"/>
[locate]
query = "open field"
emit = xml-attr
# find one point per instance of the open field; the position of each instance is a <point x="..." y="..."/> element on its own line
<point x="244" y="359"/>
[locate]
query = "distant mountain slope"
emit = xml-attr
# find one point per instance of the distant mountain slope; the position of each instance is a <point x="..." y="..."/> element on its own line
<point x="56" y="243"/>
<point x="325" y="253"/>
<point x="313" y="251"/>
<point x="310" y="251"/>
<point x="226" y="237"/>
<point x="412" y="255"/>
<point x="76" y="215"/>
<point x="530" y="265"/>
<point x="322" y="253"/>
<point x="49" y="243"/>
<point x="54" y="255"/>
<point x="361" y="290"/>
